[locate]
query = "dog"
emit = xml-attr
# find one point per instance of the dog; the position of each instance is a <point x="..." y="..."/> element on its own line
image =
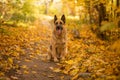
<point x="58" y="49"/>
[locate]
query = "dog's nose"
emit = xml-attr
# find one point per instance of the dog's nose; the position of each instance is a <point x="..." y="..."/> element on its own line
<point x="59" y="28"/>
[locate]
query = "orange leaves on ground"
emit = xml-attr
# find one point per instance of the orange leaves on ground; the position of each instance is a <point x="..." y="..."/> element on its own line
<point x="87" y="56"/>
<point x="90" y="56"/>
<point x="17" y="42"/>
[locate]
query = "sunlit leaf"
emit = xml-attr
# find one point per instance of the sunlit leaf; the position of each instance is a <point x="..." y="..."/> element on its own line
<point x="26" y="72"/>
<point x="34" y="72"/>
<point x="24" y="66"/>
<point x="56" y="70"/>
<point x="10" y="60"/>
<point x="2" y="74"/>
<point x="70" y="62"/>
<point x="35" y="66"/>
<point x="14" y="77"/>
<point x="51" y="76"/>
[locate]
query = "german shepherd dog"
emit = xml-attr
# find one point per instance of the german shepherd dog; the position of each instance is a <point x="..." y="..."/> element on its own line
<point x="58" y="48"/>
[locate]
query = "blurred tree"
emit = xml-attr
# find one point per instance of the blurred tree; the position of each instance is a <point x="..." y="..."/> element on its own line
<point x="101" y="12"/>
<point x="18" y="10"/>
<point x="5" y="10"/>
<point x="69" y="7"/>
<point x="28" y="10"/>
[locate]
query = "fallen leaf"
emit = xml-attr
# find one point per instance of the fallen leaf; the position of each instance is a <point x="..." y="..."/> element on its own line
<point x="56" y="70"/>
<point x="26" y="72"/>
<point x="69" y="62"/>
<point x="10" y="60"/>
<point x="14" y="77"/>
<point x="35" y="66"/>
<point x="24" y="66"/>
<point x="51" y="76"/>
<point x="34" y="72"/>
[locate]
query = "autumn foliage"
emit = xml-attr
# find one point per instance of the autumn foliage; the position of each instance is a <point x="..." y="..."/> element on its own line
<point x="88" y="56"/>
<point x="93" y="37"/>
<point x="18" y="42"/>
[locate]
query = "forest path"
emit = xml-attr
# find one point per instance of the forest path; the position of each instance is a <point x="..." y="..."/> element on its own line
<point x="24" y="53"/>
<point x="36" y="67"/>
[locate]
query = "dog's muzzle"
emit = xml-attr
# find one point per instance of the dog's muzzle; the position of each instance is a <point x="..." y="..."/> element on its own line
<point x="59" y="28"/>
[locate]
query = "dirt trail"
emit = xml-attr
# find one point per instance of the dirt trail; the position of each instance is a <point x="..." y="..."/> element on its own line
<point x="37" y="68"/>
<point x="40" y="70"/>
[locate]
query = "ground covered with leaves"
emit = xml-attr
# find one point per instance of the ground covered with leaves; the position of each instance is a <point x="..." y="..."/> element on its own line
<point x="89" y="57"/>
<point x="20" y="43"/>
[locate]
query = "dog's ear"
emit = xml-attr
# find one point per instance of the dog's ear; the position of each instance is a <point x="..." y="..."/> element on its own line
<point x="63" y="18"/>
<point x="55" y="18"/>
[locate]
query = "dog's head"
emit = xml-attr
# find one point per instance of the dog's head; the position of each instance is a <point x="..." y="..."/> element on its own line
<point x="59" y="24"/>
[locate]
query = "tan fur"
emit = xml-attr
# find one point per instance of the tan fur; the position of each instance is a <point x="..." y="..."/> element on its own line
<point x="58" y="48"/>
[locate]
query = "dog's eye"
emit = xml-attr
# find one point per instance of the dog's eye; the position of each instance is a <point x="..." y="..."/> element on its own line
<point x="60" y="22"/>
<point x="56" y="23"/>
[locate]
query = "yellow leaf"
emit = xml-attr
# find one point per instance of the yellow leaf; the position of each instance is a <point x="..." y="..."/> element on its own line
<point x="14" y="77"/>
<point x="51" y="76"/>
<point x="65" y="72"/>
<point x="62" y="77"/>
<point x="24" y="66"/>
<point x="56" y="70"/>
<point x="34" y="72"/>
<point x="35" y="66"/>
<point x="75" y="77"/>
<point x="15" y="54"/>
<point x="74" y="71"/>
<point x="70" y="62"/>
<point x="2" y="74"/>
<point x="102" y="47"/>
<point x="111" y="77"/>
<point x="18" y="48"/>
<point x="26" y="72"/>
<point x="27" y="60"/>
<point x="51" y="68"/>
<point x="10" y="60"/>
<point x="31" y="56"/>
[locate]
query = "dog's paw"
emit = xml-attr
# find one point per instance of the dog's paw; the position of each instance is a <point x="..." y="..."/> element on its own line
<point x="62" y="59"/>
<point x="48" y="57"/>
<point x="56" y="60"/>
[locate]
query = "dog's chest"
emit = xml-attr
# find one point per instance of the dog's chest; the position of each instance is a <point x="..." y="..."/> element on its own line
<point x="60" y="42"/>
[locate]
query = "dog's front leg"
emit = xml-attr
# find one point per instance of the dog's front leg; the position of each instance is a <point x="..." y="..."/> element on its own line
<point x="54" y="54"/>
<point x="63" y="53"/>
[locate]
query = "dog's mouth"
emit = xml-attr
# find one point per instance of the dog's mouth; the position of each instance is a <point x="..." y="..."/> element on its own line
<point x="59" y="30"/>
